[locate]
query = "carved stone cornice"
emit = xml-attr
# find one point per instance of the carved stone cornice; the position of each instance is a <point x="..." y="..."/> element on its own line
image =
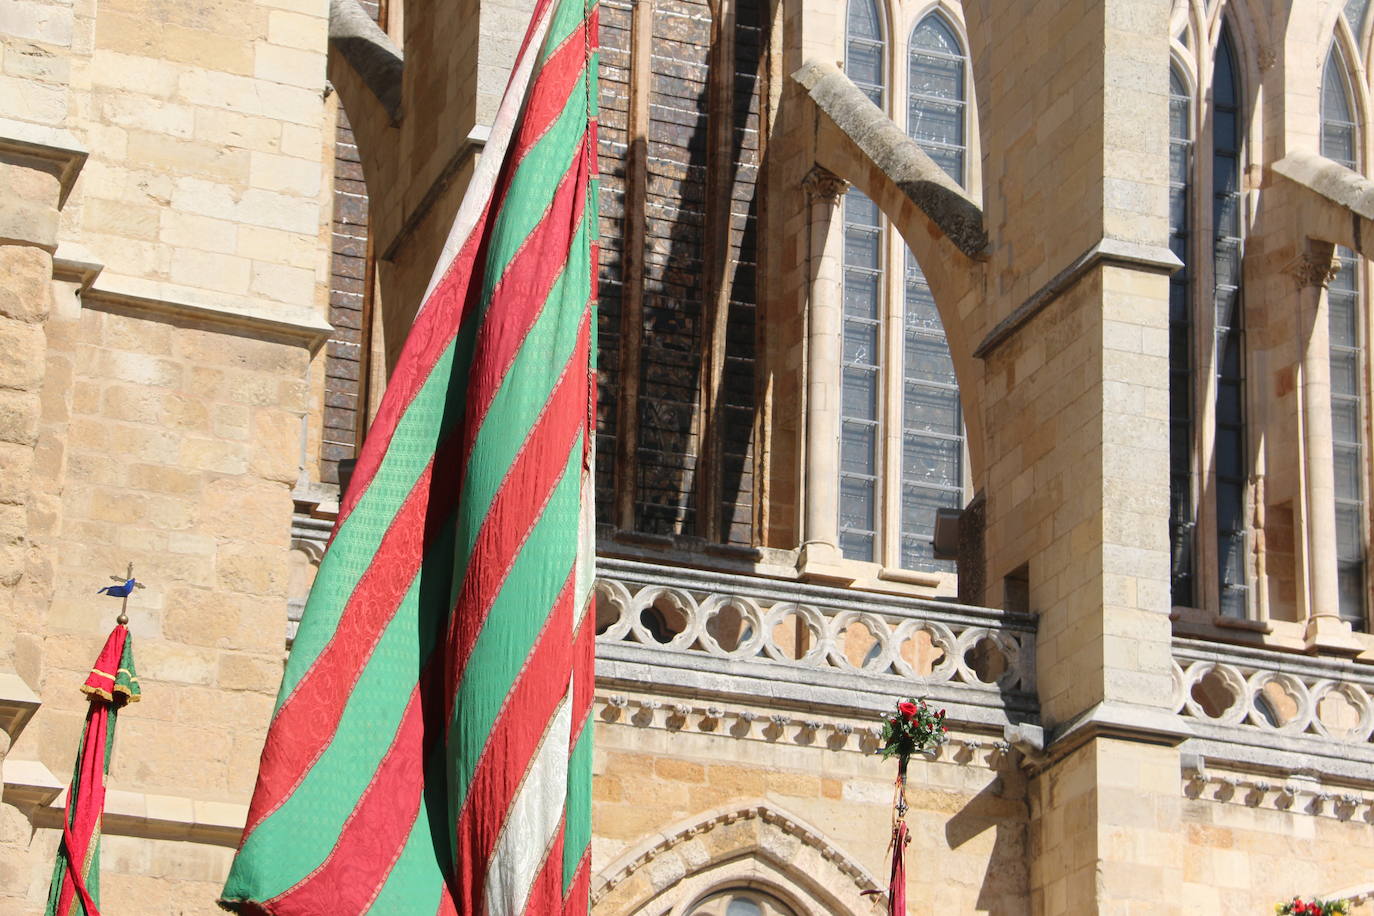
<point x="822" y="184"/>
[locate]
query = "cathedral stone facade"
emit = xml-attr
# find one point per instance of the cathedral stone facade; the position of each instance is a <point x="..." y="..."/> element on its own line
<point x="1011" y="355"/>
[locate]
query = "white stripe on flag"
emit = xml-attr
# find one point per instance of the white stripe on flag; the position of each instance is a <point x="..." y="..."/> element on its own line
<point x="532" y="820"/>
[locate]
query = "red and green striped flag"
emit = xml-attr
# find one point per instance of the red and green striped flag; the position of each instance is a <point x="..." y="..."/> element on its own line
<point x="430" y="751"/>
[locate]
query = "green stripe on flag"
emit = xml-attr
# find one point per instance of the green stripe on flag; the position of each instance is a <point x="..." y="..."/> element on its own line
<point x="532" y="190"/>
<point x="577" y="828"/>
<point x="517" y="617"/>
<point x="411" y="885"/>
<point x="566" y="19"/>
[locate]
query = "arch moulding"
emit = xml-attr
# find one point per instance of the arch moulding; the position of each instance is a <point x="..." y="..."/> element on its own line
<point x="755" y="845"/>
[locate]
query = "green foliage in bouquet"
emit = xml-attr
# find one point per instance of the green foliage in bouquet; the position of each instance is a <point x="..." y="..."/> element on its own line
<point x="912" y="728"/>
<point x="1299" y="907"/>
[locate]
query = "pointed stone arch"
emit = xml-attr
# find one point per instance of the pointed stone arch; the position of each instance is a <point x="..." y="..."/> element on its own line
<point x="756" y="845"/>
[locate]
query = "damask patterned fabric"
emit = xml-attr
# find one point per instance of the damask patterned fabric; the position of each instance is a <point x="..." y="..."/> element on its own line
<point x="431" y="749"/>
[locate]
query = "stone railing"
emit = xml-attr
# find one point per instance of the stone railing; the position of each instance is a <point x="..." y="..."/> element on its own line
<point x="698" y="632"/>
<point x="1277" y="705"/>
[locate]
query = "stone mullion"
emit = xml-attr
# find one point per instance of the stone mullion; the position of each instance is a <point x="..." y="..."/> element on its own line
<point x="632" y="264"/>
<point x="716" y="306"/>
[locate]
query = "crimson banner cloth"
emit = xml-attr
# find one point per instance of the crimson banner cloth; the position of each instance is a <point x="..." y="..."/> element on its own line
<point x="430" y="751"/>
<point x="75" y="887"/>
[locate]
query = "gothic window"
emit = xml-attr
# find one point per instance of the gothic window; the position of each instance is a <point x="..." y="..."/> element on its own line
<point x="1209" y="449"/>
<point x="932" y="427"/>
<point x="1182" y="517"/>
<point x="901" y="430"/>
<point x="1230" y="455"/>
<point x="861" y="403"/>
<point x="741" y="902"/>
<point x="1345" y="326"/>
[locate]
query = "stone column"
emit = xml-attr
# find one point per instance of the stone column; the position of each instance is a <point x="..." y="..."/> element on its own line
<point x="1076" y="471"/>
<point x="1313" y="270"/>
<point x="37" y="167"/>
<point x="820" y="545"/>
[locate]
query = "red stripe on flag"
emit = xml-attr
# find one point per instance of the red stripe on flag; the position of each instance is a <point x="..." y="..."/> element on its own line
<point x="348" y="880"/>
<point x="546" y="894"/>
<point x="307" y="720"/>
<point x="517" y="506"/>
<point x="580" y="891"/>
<point x="506" y="757"/>
<point x="584" y="674"/>
<point x="446" y="906"/>
<point x="456" y="295"/>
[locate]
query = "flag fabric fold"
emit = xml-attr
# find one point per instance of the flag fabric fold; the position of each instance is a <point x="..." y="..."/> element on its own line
<point x="430" y="750"/>
<point x="113" y="683"/>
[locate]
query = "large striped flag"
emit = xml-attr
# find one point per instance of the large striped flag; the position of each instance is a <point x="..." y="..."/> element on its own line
<point x="430" y="751"/>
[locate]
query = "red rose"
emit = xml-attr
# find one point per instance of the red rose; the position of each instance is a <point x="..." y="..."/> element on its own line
<point x="907" y="708"/>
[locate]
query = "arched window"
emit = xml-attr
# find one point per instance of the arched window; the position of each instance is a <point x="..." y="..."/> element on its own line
<point x="1346" y="333"/>
<point x="741" y="902"/>
<point x="1231" y="458"/>
<point x="1182" y="516"/>
<point x="861" y="376"/>
<point x="932" y="425"/>
<point x="901" y="430"/>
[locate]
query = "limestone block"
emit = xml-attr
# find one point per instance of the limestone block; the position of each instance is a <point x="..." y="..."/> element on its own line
<point x="289" y="65"/>
<point x="44" y="22"/>
<point x="294" y="30"/>
<point x="25" y="293"/>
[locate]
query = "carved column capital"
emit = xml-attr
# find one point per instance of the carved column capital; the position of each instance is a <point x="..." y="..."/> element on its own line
<point x="1313" y="268"/>
<point x="823" y="184"/>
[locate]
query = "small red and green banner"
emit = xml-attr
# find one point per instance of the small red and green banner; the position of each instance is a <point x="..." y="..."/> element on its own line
<point x="113" y="683"/>
<point x="430" y="750"/>
<point x="911" y="728"/>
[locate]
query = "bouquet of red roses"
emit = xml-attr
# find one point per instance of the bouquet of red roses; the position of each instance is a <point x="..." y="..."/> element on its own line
<point x="912" y="728"/>
<point x="1299" y="907"/>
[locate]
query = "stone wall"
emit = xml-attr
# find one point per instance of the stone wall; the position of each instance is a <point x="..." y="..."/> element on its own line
<point x="661" y="797"/>
<point x="160" y="311"/>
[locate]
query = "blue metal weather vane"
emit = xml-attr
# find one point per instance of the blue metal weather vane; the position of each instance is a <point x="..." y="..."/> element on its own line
<point x="123" y="589"/>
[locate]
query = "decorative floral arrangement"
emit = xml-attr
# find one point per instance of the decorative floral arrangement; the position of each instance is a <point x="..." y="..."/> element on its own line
<point x="1299" y="907"/>
<point x="912" y="728"/>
